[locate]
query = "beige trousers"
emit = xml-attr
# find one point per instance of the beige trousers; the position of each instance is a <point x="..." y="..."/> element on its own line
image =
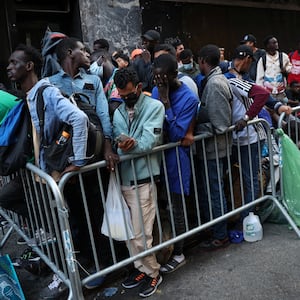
<point x="146" y="201"/>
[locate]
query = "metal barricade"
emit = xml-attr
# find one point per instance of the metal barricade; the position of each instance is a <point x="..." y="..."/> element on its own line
<point x="7" y="228"/>
<point x="47" y="229"/>
<point x="191" y="204"/>
<point x="88" y="188"/>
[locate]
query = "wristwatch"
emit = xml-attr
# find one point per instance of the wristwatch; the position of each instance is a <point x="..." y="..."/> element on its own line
<point x="246" y="118"/>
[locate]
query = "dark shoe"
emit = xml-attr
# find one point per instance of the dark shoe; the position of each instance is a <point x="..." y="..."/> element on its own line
<point x="27" y="256"/>
<point x="215" y="244"/>
<point x="150" y="285"/>
<point x="41" y="238"/>
<point x="134" y="279"/>
<point x="55" y="289"/>
<point x="21" y="241"/>
<point x="95" y="283"/>
<point x="171" y="266"/>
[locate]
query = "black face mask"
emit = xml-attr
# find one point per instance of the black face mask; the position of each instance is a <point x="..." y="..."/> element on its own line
<point x="131" y="99"/>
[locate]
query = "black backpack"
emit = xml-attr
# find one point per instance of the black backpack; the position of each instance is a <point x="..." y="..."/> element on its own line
<point x="56" y="155"/>
<point x="16" y="147"/>
<point x="49" y="42"/>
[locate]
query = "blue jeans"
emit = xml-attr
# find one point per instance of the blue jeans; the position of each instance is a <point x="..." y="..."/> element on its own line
<point x="217" y="201"/>
<point x="250" y="177"/>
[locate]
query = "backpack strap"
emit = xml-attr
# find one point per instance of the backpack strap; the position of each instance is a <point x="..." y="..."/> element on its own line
<point x="264" y="61"/>
<point x="40" y="108"/>
<point x="280" y="61"/>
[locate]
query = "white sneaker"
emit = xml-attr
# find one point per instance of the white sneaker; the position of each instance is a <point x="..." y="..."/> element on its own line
<point x="41" y="237"/>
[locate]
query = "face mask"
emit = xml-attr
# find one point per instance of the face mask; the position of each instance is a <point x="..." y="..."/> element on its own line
<point x="188" y="66"/>
<point x="131" y="99"/>
<point x="95" y="69"/>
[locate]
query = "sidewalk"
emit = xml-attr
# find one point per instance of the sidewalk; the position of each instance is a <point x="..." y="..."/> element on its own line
<point x="264" y="270"/>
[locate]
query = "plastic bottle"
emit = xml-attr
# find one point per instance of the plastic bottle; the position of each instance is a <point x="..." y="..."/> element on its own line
<point x="63" y="138"/>
<point x="252" y="228"/>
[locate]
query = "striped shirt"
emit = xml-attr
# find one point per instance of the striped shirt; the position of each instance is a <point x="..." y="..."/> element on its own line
<point x="248" y="98"/>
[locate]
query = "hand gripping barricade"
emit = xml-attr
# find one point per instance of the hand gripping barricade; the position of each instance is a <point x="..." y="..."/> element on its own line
<point x="62" y="257"/>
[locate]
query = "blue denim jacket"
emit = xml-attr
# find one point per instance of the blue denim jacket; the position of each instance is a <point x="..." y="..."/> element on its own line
<point x="89" y="85"/>
<point x="59" y="110"/>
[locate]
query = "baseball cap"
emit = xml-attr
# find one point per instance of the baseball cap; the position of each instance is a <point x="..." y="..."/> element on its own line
<point x="135" y="52"/>
<point x="243" y="51"/>
<point x="151" y="35"/>
<point x="248" y="38"/>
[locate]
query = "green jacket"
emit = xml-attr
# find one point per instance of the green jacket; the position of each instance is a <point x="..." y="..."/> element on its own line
<point x="146" y="128"/>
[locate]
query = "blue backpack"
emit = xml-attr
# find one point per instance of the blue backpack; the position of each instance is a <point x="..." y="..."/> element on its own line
<point x="16" y="146"/>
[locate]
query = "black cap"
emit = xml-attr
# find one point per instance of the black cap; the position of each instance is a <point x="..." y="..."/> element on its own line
<point x="243" y="51"/>
<point x="248" y="38"/>
<point x="151" y="35"/>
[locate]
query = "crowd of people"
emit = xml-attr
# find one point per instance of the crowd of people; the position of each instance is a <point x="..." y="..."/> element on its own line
<point x="158" y="93"/>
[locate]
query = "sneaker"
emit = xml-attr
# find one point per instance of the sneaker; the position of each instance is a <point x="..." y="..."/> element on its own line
<point x="172" y="265"/>
<point x="95" y="282"/>
<point x="21" y="241"/>
<point x="215" y="244"/>
<point x="134" y="279"/>
<point x="150" y="285"/>
<point x="27" y="255"/>
<point x="41" y="238"/>
<point x="55" y="289"/>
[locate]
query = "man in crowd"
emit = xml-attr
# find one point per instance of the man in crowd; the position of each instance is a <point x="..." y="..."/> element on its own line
<point x="216" y="97"/>
<point x="181" y="105"/>
<point x="250" y="40"/>
<point x="72" y="56"/>
<point x="143" y="63"/>
<point x="145" y="117"/>
<point x="24" y="69"/>
<point x="189" y="66"/>
<point x="272" y="69"/>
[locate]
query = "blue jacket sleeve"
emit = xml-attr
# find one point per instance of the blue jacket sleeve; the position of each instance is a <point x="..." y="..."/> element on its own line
<point x="177" y="125"/>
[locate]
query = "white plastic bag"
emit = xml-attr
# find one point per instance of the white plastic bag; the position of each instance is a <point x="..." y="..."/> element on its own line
<point x="117" y="214"/>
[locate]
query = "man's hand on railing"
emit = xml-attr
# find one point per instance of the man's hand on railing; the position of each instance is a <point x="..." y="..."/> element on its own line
<point x="111" y="158"/>
<point x="286" y="109"/>
<point x="240" y="125"/>
<point x="68" y="169"/>
<point x="127" y="144"/>
<point x="187" y="140"/>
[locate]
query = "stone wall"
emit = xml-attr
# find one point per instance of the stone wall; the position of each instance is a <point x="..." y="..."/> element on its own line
<point x="117" y="21"/>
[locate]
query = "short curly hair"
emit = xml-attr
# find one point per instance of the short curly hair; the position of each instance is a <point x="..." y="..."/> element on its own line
<point x="124" y="76"/>
<point x="32" y="54"/>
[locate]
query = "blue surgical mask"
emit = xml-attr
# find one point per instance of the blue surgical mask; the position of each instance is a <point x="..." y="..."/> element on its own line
<point x="188" y="66"/>
<point x="95" y="69"/>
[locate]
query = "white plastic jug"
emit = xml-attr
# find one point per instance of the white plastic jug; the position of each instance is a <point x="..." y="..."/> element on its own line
<point x="252" y="228"/>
